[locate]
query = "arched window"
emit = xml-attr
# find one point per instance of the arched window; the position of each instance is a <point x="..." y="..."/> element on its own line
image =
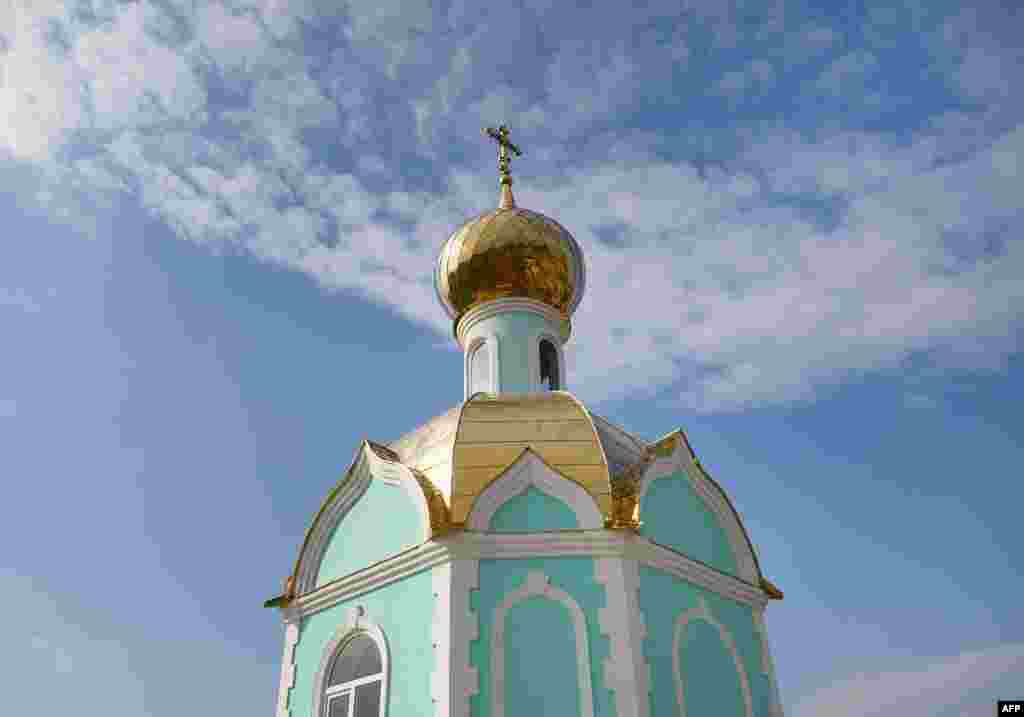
<point x="356" y="681"/>
<point x="549" y="378"/>
<point x="480" y="369"/>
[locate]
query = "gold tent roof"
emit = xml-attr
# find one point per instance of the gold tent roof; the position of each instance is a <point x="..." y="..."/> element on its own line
<point x="462" y="451"/>
<point x="454" y="456"/>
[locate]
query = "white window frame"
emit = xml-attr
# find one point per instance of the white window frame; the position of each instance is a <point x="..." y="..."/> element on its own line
<point x="353" y="625"/>
<point x="349" y="688"/>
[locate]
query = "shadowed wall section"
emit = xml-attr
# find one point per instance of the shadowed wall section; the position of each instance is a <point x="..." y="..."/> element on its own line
<point x="710" y="682"/>
<point x="676" y="517"/>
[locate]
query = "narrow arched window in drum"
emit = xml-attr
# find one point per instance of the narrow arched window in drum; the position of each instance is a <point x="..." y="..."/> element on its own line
<point x="549" y="378"/>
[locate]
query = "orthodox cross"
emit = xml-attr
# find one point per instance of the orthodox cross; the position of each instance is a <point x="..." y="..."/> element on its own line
<point x="500" y="135"/>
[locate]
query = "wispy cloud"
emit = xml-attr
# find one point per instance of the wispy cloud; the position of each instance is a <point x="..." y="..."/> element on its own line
<point x="318" y="138"/>
<point x="925" y="689"/>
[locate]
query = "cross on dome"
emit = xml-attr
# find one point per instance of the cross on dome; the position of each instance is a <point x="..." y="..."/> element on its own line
<point x="500" y="135"/>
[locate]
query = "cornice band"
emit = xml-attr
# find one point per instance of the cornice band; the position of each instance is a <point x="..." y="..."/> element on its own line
<point x="469" y="545"/>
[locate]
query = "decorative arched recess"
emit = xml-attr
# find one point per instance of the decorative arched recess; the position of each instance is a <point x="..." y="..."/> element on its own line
<point x="682" y="459"/>
<point x="494" y="366"/>
<point x="372" y="462"/>
<point x="703" y="612"/>
<point x="538" y="584"/>
<point x="355" y="623"/>
<point x="528" y="470"/>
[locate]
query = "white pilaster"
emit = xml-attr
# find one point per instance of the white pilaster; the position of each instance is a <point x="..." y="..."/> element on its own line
<point x="620" y="619"/>
<point x="441" y="679"/>
<point x="291" y="639"/>
<point x="465" y="628"/>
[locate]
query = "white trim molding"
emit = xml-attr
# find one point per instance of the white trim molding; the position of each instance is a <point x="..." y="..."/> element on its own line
<point x="680" y="460"/>
<point x="469" y="546"/>
<point x="367" y="466"/>
<point x="625" y="669"/>
<point x="529" y="470"/>
<point x="354" y="623"/>
<point x="538" y="584"/>
<point x="703" y="612"/>
<point x="440" y="678"/>
<point x="291" y="639"/>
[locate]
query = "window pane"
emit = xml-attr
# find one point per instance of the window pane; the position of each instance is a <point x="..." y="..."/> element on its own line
<point x="368" y="700"/>
<point x="339" y="706"/>
<point x="480" y="369"/>
<point x="360" y="658"/>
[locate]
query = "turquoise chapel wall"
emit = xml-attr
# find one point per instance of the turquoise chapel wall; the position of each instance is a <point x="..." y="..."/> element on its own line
<point x="383" y="522"/>
<point x="541" y="668"/>
<point x="675" y="516"/>
<point x="540" y="640"/>
<point x="404" y="611"/>
<point x="708" y="668"/>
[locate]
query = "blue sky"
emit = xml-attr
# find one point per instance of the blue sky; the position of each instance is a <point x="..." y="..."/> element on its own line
<point x="802" y="225"/>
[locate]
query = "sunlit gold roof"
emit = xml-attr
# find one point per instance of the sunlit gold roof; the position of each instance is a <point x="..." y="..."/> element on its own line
<point x="456" y="455"/>
<point x="466" y="448"/>
<point x="494" y="430"/>
<point x="509" y="252"/>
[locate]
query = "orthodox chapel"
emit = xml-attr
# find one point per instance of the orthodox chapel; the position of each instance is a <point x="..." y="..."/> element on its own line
<point x="520" y="555"/>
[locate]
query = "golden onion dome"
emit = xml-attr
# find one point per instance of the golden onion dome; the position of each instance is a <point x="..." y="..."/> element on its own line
<point x="509" y="252"/>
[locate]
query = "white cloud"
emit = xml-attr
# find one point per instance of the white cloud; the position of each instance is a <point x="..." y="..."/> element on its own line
<point x="923" y="689"/>
<point x="719" y="293"/>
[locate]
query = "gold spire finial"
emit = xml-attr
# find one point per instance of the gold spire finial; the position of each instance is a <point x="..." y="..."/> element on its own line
<point x="500" y="135"/>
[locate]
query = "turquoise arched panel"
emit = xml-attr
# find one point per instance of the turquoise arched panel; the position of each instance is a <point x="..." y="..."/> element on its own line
<point x="541" y="675"/>
<point x="663" y="598"/>
<point x="711" y="683"/>
<point x="533" y="510"/>
<point x="383" y="522"/>
<point x="574" y="575"/>
<point x="675" y="516"/>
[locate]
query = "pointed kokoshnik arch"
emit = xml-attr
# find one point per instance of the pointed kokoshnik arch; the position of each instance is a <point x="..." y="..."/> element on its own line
<point x="530" y="470"/>
<point x="672" y="455"/>
<point x="372" y="462"/>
